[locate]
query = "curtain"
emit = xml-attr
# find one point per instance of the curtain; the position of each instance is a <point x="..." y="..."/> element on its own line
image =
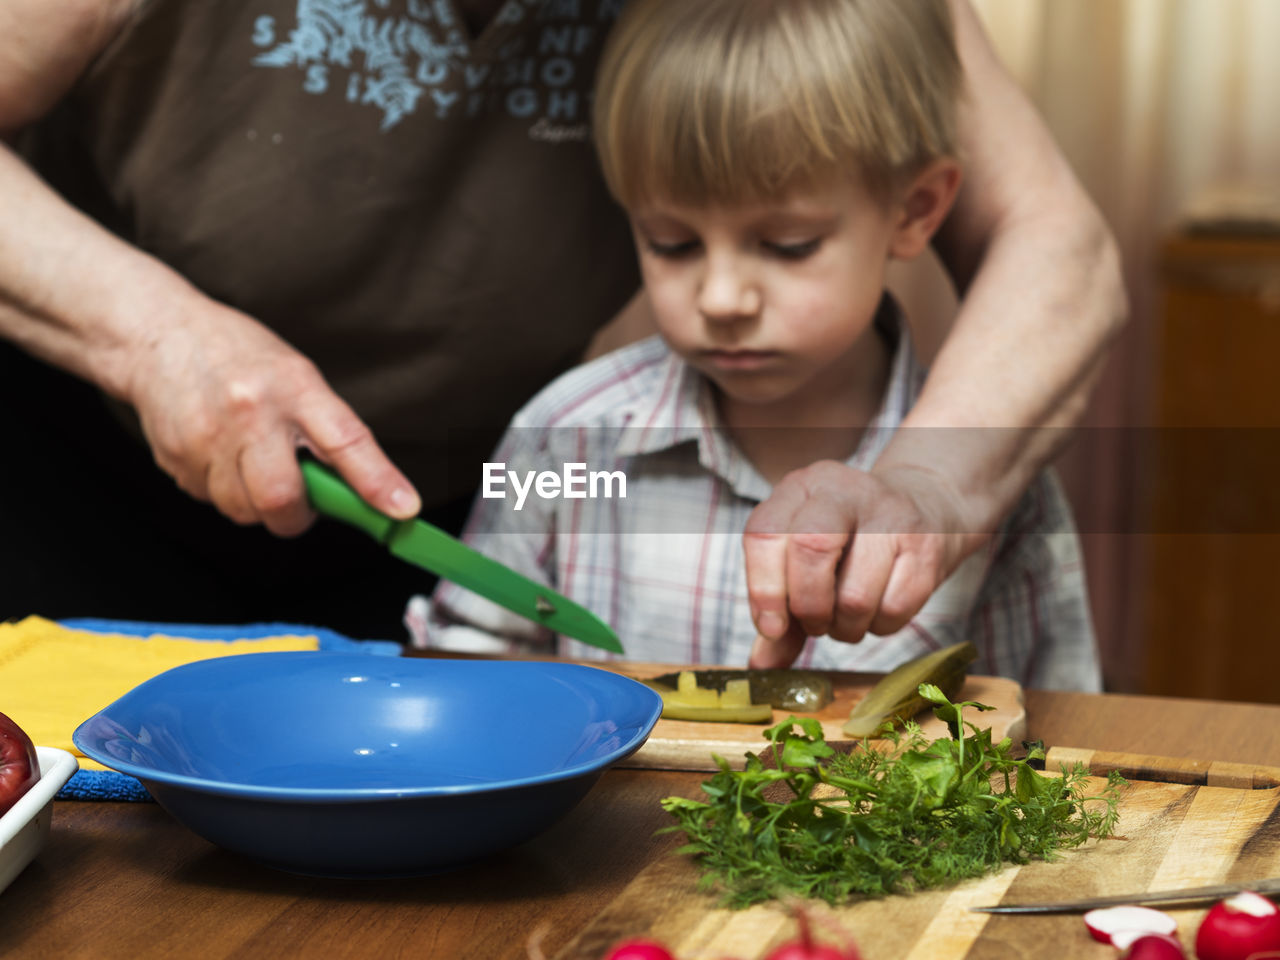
<point x="1154" y="102"/>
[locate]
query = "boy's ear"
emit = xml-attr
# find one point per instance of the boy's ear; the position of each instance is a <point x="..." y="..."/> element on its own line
<point x="925" y="203"/>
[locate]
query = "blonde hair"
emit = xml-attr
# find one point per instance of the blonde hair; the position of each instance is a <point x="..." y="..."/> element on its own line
<point x="726" y="100"/>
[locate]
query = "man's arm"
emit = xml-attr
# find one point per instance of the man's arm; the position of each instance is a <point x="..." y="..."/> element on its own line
<point x="837" y="552"/>
<point x="224" y="402"/>
<point x="1042" y="295"/>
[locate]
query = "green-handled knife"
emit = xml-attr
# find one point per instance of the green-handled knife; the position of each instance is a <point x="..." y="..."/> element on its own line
<point x="429" y="547"/>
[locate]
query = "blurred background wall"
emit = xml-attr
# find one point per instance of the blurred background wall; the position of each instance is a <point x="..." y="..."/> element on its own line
<point x="1168" y="111"/>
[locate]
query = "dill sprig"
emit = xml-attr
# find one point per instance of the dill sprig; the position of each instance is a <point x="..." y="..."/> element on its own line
<point x="923" y="814"/>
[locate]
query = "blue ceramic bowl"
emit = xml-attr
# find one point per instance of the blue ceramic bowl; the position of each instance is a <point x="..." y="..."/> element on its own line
<point x="342" y="764"/>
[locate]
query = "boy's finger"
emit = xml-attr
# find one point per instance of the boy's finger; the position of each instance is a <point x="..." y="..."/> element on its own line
<point x="770" y="654"/>
<point x="764" y="546"/>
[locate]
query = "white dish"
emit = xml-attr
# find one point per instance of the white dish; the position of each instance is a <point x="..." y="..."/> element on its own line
<point x="24" y="829"/>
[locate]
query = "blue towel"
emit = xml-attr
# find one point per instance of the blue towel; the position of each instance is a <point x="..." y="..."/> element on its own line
<point x="111" y="785"/>
<point x="103" y="785"/>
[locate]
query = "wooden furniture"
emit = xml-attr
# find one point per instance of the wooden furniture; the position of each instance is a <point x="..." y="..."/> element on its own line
<point x="126" y="881"/>
<point x="1213" y="594"/>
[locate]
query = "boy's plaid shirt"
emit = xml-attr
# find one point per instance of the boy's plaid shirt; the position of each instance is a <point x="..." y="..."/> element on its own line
<point x="664" y="566"/>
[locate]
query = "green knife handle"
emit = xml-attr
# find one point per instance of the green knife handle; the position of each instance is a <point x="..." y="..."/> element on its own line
<point x="330" y="495"/>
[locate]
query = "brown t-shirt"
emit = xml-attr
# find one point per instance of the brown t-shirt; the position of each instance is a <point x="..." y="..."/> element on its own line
<point x="416" y="210"/>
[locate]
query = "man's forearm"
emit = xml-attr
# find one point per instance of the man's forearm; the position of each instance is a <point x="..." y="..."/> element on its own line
<point x="1042" y="300"/>
<point x="1015" y="374"/>
<point x="71" y="293"/>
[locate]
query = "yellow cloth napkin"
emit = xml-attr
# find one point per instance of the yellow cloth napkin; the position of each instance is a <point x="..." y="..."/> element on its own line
<point x="52" y="679"/>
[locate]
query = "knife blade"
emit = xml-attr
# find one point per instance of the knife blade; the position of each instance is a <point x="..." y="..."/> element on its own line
<point x="429" y="547"/>
<point x="1187" y="896"/>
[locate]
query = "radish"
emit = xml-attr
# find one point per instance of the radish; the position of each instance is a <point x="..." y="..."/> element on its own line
<point x="1154" y="946"/>
<point x="639" y="950"/>
<point x="806" y="949"/>
<point x="1106" y="924"/>
<point x="1240" y="926"/>
<point x="1124" y="939"/>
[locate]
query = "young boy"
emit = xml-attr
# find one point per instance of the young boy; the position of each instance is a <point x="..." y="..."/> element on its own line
<point x="773" y="158"/>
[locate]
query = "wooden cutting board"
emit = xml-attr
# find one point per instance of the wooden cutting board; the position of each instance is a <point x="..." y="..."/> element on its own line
<point x="1173" y="835"/>
<point x="686" y="745"/>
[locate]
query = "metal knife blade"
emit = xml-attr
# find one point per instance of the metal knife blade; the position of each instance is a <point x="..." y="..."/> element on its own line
<point x="429" y="547"/>
<point x="1187" y="896"/>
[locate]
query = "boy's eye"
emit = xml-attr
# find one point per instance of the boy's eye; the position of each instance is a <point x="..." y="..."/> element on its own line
<point x="792" y="251"/>
<point x="673" y="250"/>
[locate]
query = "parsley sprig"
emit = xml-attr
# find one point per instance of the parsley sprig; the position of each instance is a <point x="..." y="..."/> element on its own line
<point x="828" y="825"/>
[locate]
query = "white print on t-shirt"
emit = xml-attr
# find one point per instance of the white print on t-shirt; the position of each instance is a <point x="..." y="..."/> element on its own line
<point x="548" y="132"/>
<point x="421" y="55"/>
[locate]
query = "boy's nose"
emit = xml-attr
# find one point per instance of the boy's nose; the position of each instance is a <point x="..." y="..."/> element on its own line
<point x="728" y="291"/>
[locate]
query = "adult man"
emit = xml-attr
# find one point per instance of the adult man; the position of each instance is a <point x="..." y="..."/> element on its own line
<point x="280" y="223"/>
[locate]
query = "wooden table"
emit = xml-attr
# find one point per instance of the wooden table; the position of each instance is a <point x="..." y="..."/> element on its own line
<point x="125" y="880"/>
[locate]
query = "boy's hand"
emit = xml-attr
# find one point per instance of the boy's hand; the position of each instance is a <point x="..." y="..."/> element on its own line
<point x="842" y="552"/>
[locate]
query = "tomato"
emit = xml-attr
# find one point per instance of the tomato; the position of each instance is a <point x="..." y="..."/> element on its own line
<point x="19" y="766"/>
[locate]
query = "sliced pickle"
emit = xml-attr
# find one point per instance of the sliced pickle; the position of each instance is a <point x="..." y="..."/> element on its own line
<point x="687" y="701"/>
<point x="896" y="695"/>
<point x="755" y="713"/>
<point x="800" y="691"/>
<point x="691" y="695"/>
<point x="737" y="693"/>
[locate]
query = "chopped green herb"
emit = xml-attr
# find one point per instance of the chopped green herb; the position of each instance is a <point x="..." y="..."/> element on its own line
<point x="925" y="814"/>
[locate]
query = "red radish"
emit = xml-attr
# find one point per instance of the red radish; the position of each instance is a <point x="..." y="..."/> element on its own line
<point x="639" y="950"/>
<point x="1122" y="940"/>
<point x="1238" y="927"/>
<point x="806" y="949"/>
<point x="1106" y="924"/>
<point x="1154" y="946"/>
